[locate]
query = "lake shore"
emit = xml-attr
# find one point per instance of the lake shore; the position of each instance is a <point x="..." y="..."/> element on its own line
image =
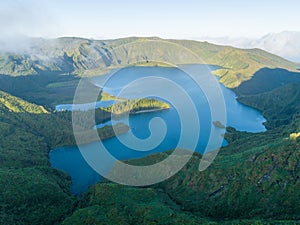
<point x="141" y="111"/>
<point x="149" y="110"/>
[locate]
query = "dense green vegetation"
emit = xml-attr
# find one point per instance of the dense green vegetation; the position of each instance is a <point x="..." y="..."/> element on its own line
<point x="34" y="195"/>
<point x="255" y="180"/>
<point x="274" y="104"/>
<point x="256" y="176"/>
<point x="32" y="192"/>
<point x="115" y="204"/>
<point x="266" y="80"/>
<point x="47" y="89"/>
<point x="136" y="106"/>
<point x="17" y="105"/>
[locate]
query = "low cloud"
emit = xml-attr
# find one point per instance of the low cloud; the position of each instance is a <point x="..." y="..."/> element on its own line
<point x="285" y="44"/>
<point x="22" y="19"/>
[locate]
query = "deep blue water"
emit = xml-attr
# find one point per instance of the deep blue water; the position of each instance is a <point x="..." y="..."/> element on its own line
<point x="239" y="116"/>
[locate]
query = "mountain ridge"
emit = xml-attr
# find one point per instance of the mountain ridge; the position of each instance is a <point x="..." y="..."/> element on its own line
<point x="95" y="57"/>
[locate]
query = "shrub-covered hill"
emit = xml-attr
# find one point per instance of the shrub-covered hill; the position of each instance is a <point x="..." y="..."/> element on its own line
<point x="279" y="105"/>
<point x="256" y="176"/>
<point x="31" y="191"/>
<point x="255" y="180"/>
<point x="113" y="204"/>
<point x="266" y="80"/>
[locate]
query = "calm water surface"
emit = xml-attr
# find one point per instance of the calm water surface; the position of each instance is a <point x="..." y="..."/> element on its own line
<point x="239" y="116"/>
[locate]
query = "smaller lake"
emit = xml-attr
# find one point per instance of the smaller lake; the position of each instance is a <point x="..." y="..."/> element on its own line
<point x="83" y="107"/>
<point x="70" y="160"/>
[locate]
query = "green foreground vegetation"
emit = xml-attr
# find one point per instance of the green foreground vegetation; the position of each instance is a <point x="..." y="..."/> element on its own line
<point x="31" y="191"/>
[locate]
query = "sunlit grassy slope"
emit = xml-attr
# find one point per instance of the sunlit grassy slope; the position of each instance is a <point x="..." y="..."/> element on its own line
<point x="17" y="105"/>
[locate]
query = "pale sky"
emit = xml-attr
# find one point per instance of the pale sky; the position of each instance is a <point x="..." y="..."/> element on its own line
<point x="165" y="18"/>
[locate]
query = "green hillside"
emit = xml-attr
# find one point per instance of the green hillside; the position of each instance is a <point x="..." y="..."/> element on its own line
<point x="266" y="80"/>
<point x="17" y="105"/>
<point x="237" y="65"/>
<point x="48" y="89"/>
<point x="31" y="191"/>
<point x="256" y="176"/>
<point x="114" y="204"/>
<point x="94" y="57"/>
<point x="274" y="104"/>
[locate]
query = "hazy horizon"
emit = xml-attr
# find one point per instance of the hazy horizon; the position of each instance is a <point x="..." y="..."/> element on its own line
<point x="168" y="19"/>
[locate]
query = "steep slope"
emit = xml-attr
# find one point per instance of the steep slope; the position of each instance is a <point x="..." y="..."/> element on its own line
<point x="266" y="80"/>
<point x="31" y="192"/>
<point x="17" y="105"/>
<point x="47" y="89"/>
<point x="279" y="105"/>
<point x="114" y="204"/>
<point x="256" y="175"/>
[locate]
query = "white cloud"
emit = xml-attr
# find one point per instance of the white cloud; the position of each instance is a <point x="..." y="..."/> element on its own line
<point x="26" y="18"/>
<point x="20" y="20"/>
<point x="285" y="44"/>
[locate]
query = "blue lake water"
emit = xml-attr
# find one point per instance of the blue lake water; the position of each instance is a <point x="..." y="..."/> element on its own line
<point x="239" y="116"/>
<point x="83" y="107"/>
